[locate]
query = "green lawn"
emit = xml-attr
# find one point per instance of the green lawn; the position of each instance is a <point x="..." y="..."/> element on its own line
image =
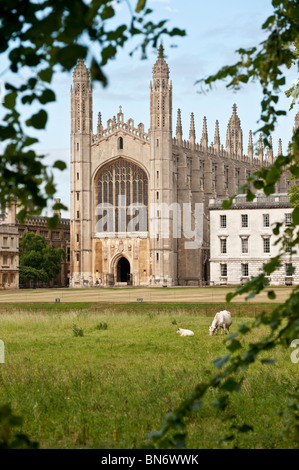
<point x="111" y="387"/>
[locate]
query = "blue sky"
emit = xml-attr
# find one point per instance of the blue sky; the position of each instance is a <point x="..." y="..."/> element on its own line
<point x="215" y="29"/>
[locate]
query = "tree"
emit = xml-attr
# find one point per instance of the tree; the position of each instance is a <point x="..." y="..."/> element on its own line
<point x="38" y="260"/>
<point x="293" y="192"/>
<point x="38" y="39"/>
<point x="264" y="64"/>
<point x="293" y="91"/>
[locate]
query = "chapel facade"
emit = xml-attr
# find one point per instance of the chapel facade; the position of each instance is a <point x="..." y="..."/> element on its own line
<point x="140" y="198"/>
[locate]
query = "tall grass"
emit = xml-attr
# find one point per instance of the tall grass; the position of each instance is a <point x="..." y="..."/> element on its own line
<point x="111" y="386"/>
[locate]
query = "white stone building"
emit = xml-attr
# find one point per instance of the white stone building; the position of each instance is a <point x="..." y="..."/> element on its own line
<point x="242" y="240"/>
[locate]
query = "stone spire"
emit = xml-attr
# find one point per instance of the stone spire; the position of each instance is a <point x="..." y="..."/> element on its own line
<point x="217" y="138"/>
<point x="204" y="137"/>
<point x="81" y="72"/>
<point x="99" y="125"/>
<point x="80" y="165"/>
<point x="81" y="100"/>
<point x="279" y="147"/>
<point x="228" y="142"/>
<point x="120" y="115"/>
<point x="161" y="95"/>
<point x="234" y="135"/>
<point x="192" y="131"/>
<point x="161" y="69"/>
<point x="179" y="130"/>
<point x="261" y="149"/>
<point x="250" y="146"/>
<point x="270" y="151"/>
<point x="296" y="123"/>
<point x="161" y="52"/>
<point x="162" y="250"/>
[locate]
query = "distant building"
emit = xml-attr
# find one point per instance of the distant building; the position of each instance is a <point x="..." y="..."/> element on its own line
<point x="58" y="238"/>
<point x="242" y="240"/>
<point x="9" y="256"/>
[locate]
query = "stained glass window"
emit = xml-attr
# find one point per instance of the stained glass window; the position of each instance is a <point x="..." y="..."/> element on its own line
<point x="122" y="198"/>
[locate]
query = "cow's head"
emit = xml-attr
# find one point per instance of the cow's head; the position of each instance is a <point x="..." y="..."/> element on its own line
<point x="212" y="329"/>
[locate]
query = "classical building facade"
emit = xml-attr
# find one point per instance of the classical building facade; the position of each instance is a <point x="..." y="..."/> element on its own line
<point x="11" y="233"/>
<point x="140" y="198"/>
<point x="242" y="240"/>
<point x="9" y="256"/>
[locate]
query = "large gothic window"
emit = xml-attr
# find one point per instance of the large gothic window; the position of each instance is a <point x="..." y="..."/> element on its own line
<point x="122" y="199"/>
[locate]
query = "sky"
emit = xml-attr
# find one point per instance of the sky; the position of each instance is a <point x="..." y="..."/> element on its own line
<point x="215" y="29"/>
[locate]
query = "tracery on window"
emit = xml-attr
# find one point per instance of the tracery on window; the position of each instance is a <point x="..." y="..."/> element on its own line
<point x="122" y="198"/>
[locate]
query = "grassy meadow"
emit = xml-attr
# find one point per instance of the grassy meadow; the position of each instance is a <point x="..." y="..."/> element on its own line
<point x="103" y="376"/>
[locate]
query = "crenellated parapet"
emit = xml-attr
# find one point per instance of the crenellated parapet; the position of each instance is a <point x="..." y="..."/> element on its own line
<point x="116" y="124"/>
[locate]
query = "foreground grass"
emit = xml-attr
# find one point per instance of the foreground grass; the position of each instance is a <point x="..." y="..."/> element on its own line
<point x="111" y="387"/>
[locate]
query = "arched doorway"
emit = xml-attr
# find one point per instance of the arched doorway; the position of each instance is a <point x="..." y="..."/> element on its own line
<point x="123" y="270"/>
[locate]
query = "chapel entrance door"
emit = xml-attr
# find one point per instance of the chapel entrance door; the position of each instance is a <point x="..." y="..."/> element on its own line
<point x="123" y="270"/>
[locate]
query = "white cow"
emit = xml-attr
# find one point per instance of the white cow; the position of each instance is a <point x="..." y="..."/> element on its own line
<point x="222" y="320"/>
<point x="183" y="332"/>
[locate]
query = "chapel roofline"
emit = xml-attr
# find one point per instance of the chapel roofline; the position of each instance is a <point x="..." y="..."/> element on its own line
<point x="117" y="124"/>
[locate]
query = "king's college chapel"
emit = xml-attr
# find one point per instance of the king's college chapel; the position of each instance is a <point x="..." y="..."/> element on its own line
<point x="128" y="184"/>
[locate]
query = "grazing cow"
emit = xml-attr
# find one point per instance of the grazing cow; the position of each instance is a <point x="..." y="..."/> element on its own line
<point x="222" y="320"/>
<point x="183" y="332"/>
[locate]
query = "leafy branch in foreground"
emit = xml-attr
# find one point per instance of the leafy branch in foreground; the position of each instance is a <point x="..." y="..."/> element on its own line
<point x="38" y="39"/>
<point x="265" y="65"/>
<point x="9" y="439"/>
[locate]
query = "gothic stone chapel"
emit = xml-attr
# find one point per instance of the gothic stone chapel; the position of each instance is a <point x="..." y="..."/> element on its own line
<point x="120" y="173"/>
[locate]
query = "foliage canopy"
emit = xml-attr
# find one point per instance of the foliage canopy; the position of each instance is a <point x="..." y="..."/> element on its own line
<point x="39" y="261"/>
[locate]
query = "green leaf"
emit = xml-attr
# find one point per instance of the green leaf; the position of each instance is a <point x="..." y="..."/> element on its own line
<point x="228" y="203"/>
<point x="221" y="403"/>
<point x="46" y="75"/>
<point x="271" y="294"/>
<point x="140" y="6"/>
<point x="231" y="385"/>
<point x="295" y="216"/>
<point x="53" y="221"/>
<point x="10" y="100"/>
<point x="67" y="56"/>
<point x="276" y="229"/>
<point x="229" y="296"/>
<point x="28" y="98"/>
<point x="47" y="96"/>
<point x="258" y="184"/>
<point x="32" y="82"/>
<point x="38" y="120"/>
<point x="108" y="53"/>
<point x="96" y="73"/>
<point x="221" y="361"/>
<point x="268" y="361"/>
<point x="234" y="345"/>
<point x="108" y="12"/>
<point x="243" y="329"/>
<point x="245" y="428"/>
<point x="61" y="165"/>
